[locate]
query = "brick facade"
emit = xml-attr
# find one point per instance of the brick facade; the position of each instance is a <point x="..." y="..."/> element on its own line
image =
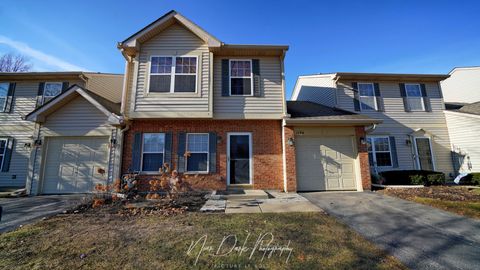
<point x="266" y="140"/>
<point x="290" y="160"/>
<point x="363" y="158"/>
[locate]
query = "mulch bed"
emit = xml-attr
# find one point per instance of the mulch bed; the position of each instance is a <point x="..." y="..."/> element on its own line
<point x="164" y="206"/>
<point x="448" y="193"/>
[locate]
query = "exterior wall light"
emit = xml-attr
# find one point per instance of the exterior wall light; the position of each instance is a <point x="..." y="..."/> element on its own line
<point x="363" y="140"/>
<point x="291" y="141"/>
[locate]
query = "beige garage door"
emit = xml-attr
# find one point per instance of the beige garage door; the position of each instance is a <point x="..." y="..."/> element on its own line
<point x="71" y="164"/>
<point x="325" y="163"/>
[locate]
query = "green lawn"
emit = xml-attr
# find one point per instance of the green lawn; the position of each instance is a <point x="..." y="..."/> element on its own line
<point x="104" y="240"/>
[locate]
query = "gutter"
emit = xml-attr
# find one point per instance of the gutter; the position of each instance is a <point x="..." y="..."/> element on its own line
<point x="125" y="85"/>
<point x="332" y="121"/>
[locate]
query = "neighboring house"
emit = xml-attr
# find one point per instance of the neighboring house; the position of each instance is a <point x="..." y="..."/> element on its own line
<point x="463" y="86"/>
<point x="413" y="134"/>
<point x="464" y="129"/>
<point x="20" y="141"/>
<point x="211" y="110"/>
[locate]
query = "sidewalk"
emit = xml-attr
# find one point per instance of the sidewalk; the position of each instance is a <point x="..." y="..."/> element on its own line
<point x="270" y="202"/>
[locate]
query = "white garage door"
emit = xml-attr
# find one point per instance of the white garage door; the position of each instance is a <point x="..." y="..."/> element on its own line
<point x="72" y="164"/>
<point x="325" y="163"/>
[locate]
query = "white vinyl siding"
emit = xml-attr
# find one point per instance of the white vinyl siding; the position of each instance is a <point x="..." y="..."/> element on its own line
<point x="462" y="86"/>
<point x="320" y="89"/>
<point x="175" y="40"/>
<point x="464" y="130"/>
<point x="269" y="105"/>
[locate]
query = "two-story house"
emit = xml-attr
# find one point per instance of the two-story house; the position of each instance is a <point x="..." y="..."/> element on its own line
<point x="413" y="134"/>
<point x="211" y="110"/>
<point x="22" y="139"/>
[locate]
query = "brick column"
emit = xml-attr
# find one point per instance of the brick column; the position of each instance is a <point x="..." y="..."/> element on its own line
<point x="290" y="160"/>
<point x="363" y="156"/>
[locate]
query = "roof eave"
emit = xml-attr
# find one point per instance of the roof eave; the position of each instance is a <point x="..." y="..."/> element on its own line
<point x="390" y="76"/>
<point x="293" y="121"/>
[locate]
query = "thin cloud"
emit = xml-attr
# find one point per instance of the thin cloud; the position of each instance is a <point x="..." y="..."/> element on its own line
<point x="40" y="56"/>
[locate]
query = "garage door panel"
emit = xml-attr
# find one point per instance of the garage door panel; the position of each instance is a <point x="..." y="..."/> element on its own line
<point x="325" y="163"/>
<point x="71" y="163"/>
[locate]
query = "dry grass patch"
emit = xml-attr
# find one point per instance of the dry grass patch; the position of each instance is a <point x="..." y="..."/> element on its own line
<point x="100" y="239"/>
<point x="460" y="200"/>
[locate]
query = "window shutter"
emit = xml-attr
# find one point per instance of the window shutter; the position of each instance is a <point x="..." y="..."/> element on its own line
<point x="182" y="139"/>
<point x="426" y="99"/>
<point x="403" y="93"/>
<point x="225" y="78"/>
<point x="41" y="86"/>
<point x="212" y="152"/>
<point x="10" y="95"/>
<point x="256" y="78"/>
<point x="65" y="86"/>
<point x="168" y="149"/>
<point x="393" y="150"/>
<point x="8" y="155"/>
<point x="379" y="98"/>
<point x="136" y="152"/>
<point x="356" y="97"/>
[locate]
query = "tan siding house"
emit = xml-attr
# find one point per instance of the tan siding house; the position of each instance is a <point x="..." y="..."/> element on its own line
<point x="415" y="132"/>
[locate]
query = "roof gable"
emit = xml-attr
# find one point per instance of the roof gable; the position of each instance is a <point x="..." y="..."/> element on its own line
<point x="163" y="23"/>
<point x="110" y="109"/>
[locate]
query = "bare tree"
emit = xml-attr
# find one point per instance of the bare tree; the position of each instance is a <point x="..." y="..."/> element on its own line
<point x="14" y="63"/>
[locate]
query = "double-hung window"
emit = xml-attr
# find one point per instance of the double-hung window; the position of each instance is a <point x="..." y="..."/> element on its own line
<point x="169" y="74"/>
<point x="379" y="153"/>
<point x="197" y="148"/>
<point x="414" y="97"/>
<point x="241" y="81"/>
<point x="51" y="90"/>
<point x="3" y="95"/>
<point x="366" y="93"/>
<point x="153" y="150"/>
<point x="3" y="149"/>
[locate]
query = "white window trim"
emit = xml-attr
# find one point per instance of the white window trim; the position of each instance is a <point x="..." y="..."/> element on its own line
<point x="374" y="97"/>
<point x="374" y="151"/>
<point x="208" y="154"/>
<point x="250" y="148"/>
<point x="172" y="75"/>
<point x="4" y="151"/>
<point x="239" y="77"/>
<point x="421" y="97"/>
<point x="417" y="156"/>
<point x="143" y="152"/>
<point x="6" y="99"/>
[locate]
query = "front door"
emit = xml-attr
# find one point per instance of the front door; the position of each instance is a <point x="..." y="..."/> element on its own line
<point x="239" y="158"/>
<point x="424" y="154"/>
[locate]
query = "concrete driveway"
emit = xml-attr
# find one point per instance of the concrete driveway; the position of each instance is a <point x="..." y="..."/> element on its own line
<point x="420" y="236"/>
<point x="24" y="210"/>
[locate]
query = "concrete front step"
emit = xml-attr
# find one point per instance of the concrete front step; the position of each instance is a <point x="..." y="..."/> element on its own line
<point x="244" y="194"/>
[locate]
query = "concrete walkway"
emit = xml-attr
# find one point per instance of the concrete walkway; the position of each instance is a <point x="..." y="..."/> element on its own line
<point x="258" y="201"/>
<point x="420" y="236"/>
<point x="24" y="210"/>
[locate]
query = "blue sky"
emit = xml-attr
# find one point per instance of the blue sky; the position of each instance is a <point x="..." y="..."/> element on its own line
<point x="324" y="36"/>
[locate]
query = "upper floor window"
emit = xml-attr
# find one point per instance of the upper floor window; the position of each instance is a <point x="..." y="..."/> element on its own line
<point x="367" y="97"/>
<point x="414" y="97"/>
<point x="51" y="90"/>
<point x="169" y="74"/>
<point x="241" y="82"/>
<point x="153" y="151"/>
<point x="197" y="148"/>
<point x="3" y="149"/>
<point x="3" y="95"/>
<point x="379" y="153"/>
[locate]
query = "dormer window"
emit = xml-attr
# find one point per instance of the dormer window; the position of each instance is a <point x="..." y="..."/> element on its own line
<point x="51" y="90"/>
<point x="241" y="82"/>
<point x="173" y="74"/>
